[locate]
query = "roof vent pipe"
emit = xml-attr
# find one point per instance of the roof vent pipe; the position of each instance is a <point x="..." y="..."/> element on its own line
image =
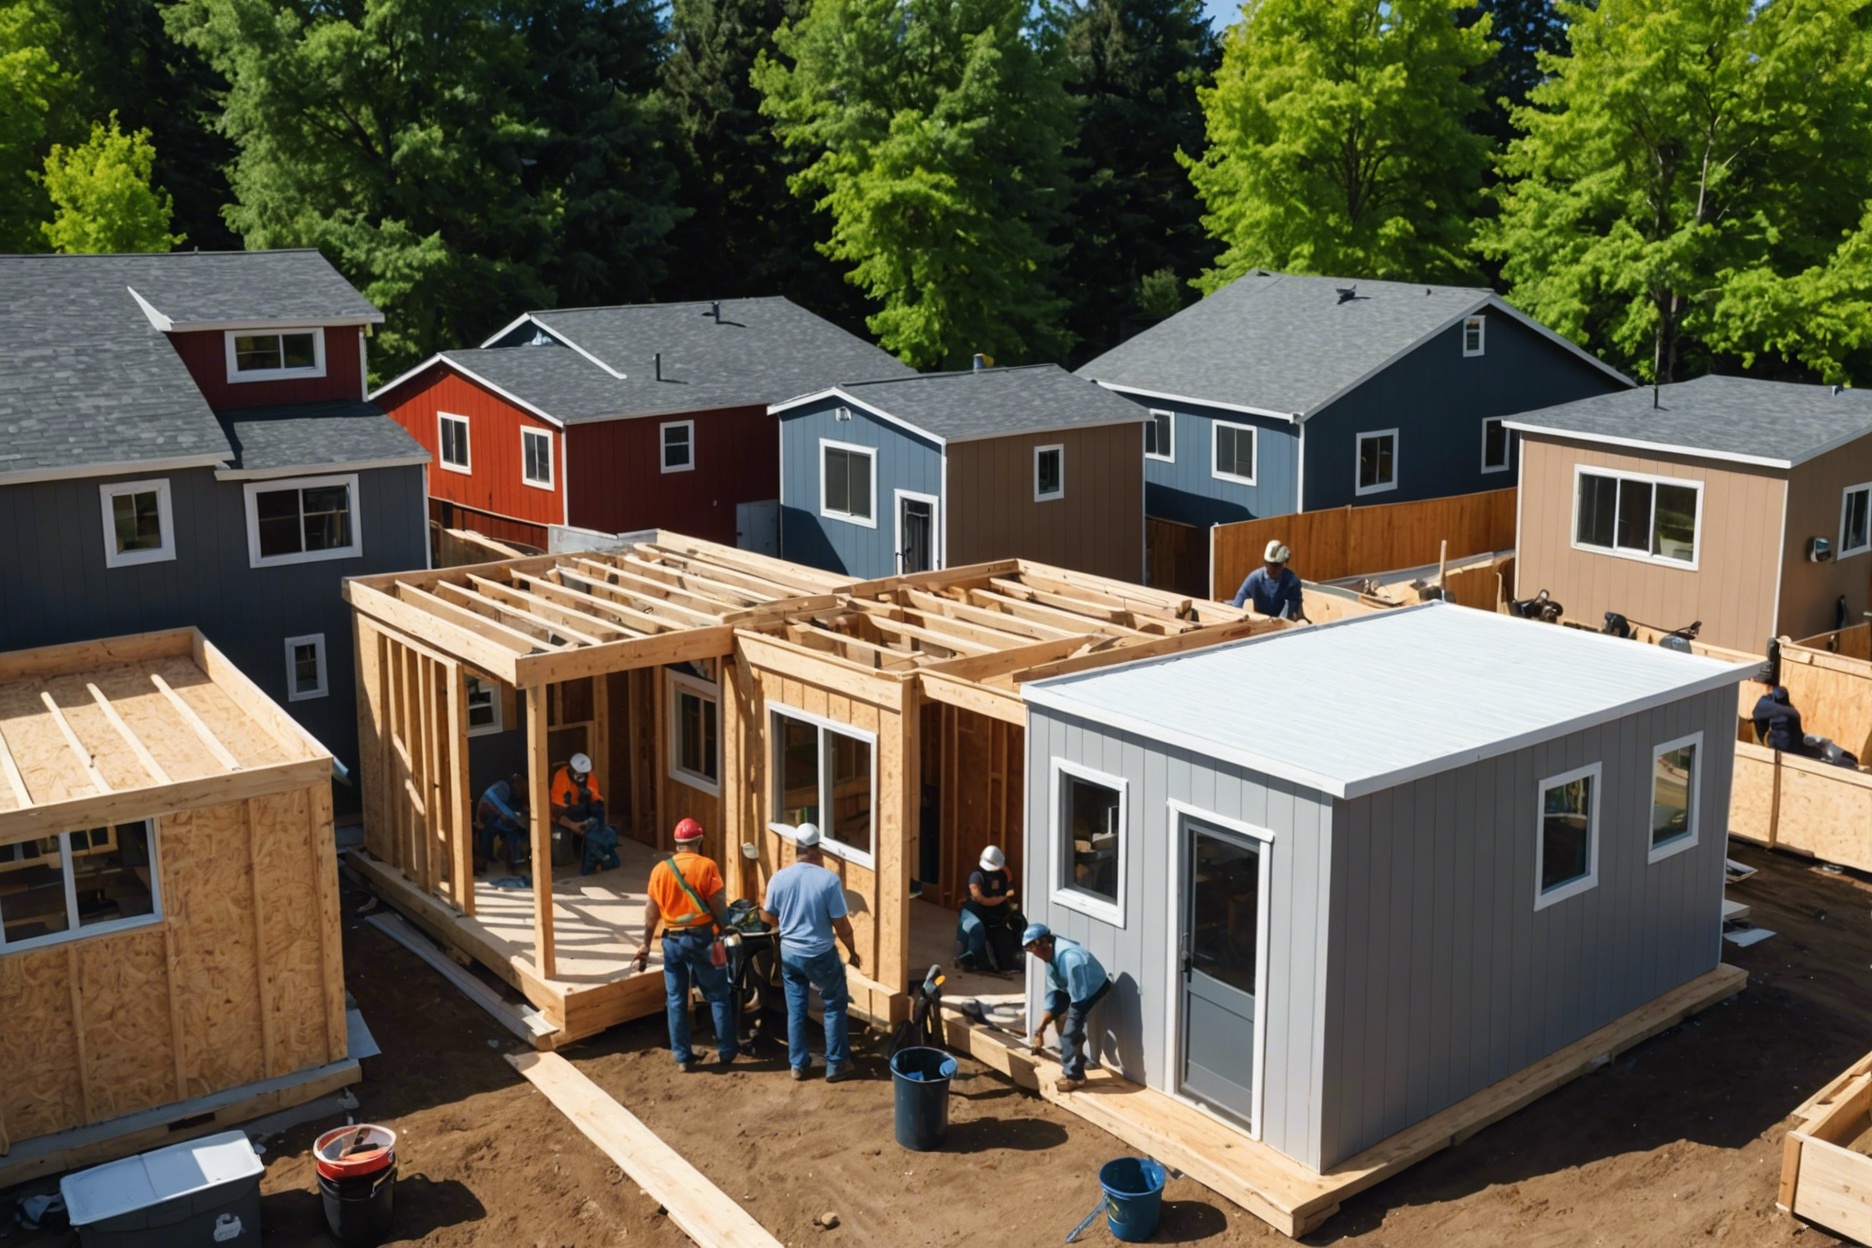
<point x="659" y="365"/>
<point x="980" y="362"/>
<point x="1837" y="389"/>
<point x="714" y="308"/>
<point x="1654" y="398"/>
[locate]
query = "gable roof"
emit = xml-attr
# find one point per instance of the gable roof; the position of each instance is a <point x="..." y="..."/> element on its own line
<point x="986" y="403"/>
<point x="276" y="440"/>
<point x="197" y="290"/>
<point x="1285" y="346"/>
<point x="1776" y="424"/>
<point x="1374" y="701"/>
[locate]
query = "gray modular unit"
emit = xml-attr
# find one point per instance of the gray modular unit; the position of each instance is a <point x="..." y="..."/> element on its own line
<point x="1185" y="487"/>
<point x="903" y="461"/>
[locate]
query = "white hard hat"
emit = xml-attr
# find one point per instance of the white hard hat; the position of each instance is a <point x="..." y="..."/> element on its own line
<point x="1277" y="552"/>
<point x="806" y="836"/>
<point x="993" y="859"/>
<point x="580" y="763"/>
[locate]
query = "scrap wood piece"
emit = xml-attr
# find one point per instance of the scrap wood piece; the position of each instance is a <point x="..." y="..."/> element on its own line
<point x="700" y="1208"/>
<point x="524" y="1022"/>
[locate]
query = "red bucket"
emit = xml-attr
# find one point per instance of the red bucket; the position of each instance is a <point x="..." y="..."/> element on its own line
<point x="353" y="1152"/>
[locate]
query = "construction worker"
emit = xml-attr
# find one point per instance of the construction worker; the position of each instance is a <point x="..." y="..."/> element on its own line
<point x="806" y="903"/>
<point x="1075" y="983"/>
<point x="1777" y="721"/>
<point x="500" y="812"/>
<point x="1273" y="589"/>
<point x="685" y="895"/>
<point x="985" y="928"/>
<point x="578" y="807"/>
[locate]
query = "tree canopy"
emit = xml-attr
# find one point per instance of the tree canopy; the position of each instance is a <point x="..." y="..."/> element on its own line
<point x="31" y="82"/>
<point x="102" y="197"/>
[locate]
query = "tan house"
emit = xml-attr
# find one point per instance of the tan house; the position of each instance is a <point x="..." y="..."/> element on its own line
<point x="1743" y="504"/>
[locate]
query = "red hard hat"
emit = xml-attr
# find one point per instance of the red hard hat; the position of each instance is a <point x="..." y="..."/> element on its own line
<point x="688" y="830"/>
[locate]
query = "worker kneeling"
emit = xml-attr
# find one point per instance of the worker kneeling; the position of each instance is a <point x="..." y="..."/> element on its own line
<point x="1075" y="983"/>
<point x="988" y="928"/>
<point x="685" y="894"/>
<point x="578" y="806"/>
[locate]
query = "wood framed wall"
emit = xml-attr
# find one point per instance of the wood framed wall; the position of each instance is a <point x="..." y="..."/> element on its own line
<point x="977" y="765"/>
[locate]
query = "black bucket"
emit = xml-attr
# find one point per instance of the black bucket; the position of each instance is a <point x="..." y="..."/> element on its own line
<point x="921" y="1076"/>
<point x="358" y="1210"/>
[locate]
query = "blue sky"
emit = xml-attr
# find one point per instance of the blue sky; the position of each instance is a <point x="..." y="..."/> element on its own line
<point x="1222" y="13"/>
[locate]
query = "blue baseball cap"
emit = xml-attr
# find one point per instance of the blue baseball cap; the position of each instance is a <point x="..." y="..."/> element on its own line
<point x="1035" y="931"/>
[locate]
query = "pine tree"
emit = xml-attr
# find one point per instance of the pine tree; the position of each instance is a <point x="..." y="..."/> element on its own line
<point x="102" y="197"/>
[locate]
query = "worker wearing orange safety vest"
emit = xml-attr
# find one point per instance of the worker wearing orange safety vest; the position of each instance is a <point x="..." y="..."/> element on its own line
<point x="685" y="895"/>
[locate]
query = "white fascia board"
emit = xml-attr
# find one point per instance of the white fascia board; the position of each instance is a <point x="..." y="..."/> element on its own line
<point x="1142" y="417"/>
<point x="473" y="376"/>
<point x="870" y="410"/>
<point x="561" y="338"/>
<point x="301" y="470"/>
<point x="1641" y="444"/>
<point x="298" y="322"/>
<point x="79" y="472"/>
<point x="508" y="328"/>
<point x="156" y="319"/>
<point x="1165" y="396"/>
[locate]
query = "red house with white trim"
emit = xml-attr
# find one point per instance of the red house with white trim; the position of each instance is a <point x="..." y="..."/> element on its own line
<point x="625" y="418"/>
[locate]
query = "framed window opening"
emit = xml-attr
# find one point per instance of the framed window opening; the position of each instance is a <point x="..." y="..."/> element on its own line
<point x="1233" y="451"/>
<point x="677" y="440"/>
<point x="1675" y="772"/>
<point x="1090" y="811"/>
<point x="820" y="766"/>
<point x="848" y="483"/>
<point x="305" y="667"/>
<point x="1377" y="462"/>
<point x="452" y="442"/>
<point x="275" y="354"/>
<point x="536" y="458"/>
<point x="1497" y="445"/>
<point x="1634" y="516"/>
<point x="1566" y="832"/>
<point x="695" y="733"/>
<point x="1473" y="335"/>
<point x="1160" y="436"/>
<point x="139" y="523"/>
<point x="1049" y="472"/>
<point x="1855" y="535"/>
<point x="78" y="884"/>
<point x="303" y="520"/>
<point x="484" y="707"/>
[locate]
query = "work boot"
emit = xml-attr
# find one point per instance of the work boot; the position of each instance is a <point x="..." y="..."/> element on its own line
<point x="688" y="1066"/>
<point x="841" y="1074"/>
<point x="801" y="1074"/>
<point x="1069" y="1084"/>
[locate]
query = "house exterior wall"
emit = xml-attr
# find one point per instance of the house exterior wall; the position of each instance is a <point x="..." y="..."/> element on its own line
<point x="1185" y="488"/>
<point x="205" y="354"/>
<point x="614" y="469"/>
<point x="1739" y="558"/>
<point x="1437" y="400"/>
<point x="1810" y="591"/>
<point x="1131" y="1022"/>
<point x="1443" y="978"/>
<point x="1097" y="527"/>
<point x="904" y="461"/>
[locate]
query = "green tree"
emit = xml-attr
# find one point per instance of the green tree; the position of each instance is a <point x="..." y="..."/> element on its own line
<point x="102" y="197"/>
<point x="1523" y="32"/>
<point x="935" y="131"/>
<point x="1691" y="181"/>
<point x="1338" y="141"/>
<point x="31" y="83"/>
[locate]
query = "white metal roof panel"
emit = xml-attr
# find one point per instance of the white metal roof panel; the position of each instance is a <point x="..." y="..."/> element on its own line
<point x="1375" y="701"/>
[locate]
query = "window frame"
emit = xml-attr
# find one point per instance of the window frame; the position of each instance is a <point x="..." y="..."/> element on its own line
<point x="236" y="377"/>
<point x="1077" y="900"/>
<point x="1040" y="452"/>
<point x="870" y="453"/>
<point x="1254" y="442"/>
<point x="1645" y="556"/>
<point x="78" y="932"/>
<point x="679" y="685"/>
<point x="552" y="469"/>
<point x="1480" y="322"/>
<point x="165" y="518"/>
<point x="1590" y="880"/>
<point x="443" y="420"/>
<point x="1507" y="444"/>
<point x="1358" y="456"/>
<point x="1841" y="551"/>
<point x="1657" y="852"/>
<point x="254" y="489"/>
<point x="1150" y="426"/>
<point x="830" y="844"/>
<point x="663" y="447"/>
<point x="323" y="689"/>
<point x="493" y="689"/>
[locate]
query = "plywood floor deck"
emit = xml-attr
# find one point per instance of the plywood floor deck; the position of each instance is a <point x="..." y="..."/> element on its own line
<point x="932" y="943"/>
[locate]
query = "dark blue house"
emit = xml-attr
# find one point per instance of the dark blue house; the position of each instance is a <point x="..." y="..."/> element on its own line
<point x="1280" y="394"/>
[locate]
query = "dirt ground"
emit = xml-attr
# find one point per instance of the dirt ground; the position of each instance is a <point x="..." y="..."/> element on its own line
<point x="1677" y="1142"/>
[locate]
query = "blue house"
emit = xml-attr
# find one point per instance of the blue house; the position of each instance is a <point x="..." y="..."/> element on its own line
<point x="1280" y="394"/>
<point x="945" y="469"/>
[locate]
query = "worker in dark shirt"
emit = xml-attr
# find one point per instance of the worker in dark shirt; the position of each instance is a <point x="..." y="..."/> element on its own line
<point x="1273" y="589"/>
<point x="1777" y="722"/>
<point x="988" y="929"/>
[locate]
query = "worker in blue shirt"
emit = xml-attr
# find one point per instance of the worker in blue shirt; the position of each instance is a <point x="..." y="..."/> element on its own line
<point x="1075" y="983"/>
<point x="1274" y="589"/>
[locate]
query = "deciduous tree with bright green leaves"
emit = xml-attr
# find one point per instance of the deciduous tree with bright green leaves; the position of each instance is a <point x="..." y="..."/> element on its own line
<point x="1339" y="140"/>
<point x="30" y="84"/>
<point x="935" y="130"/>
<point x="1691" y="185"/>
<point x="102" y="197"/>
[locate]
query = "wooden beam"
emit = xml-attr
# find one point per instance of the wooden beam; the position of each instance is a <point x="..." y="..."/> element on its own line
<point x="958" y="646"/>
<point x="239" y="688"/>
<point x="641" y="611"/>
<point x="98" y="783"/>
<point x="480" y="603"/>
<point x="993" y="703"/>
<point x="988" y="666"/>
<point x="15" y="780"/>
<point x="42" y="662"/>
<point x="515" y="641"/>
<point x="1001" y="621"/>
<point x="1085" y="608"/>
<point x="539" y="786"/>
<point x="617" y="616"/>
<point x="151" y="767"/>
<point x="641" y="588"/>
<point x="590" y="628"/>
<point x="1020" y="604"/>
<point x="460" y="790"/>
<point x="941" y="579"/>
<point x="221" y="753"/>
<point x="269" y="1046"/>
<point x="618" y="656"/>
<point x="884" y="689"/>
<point x="682" y="578"/>
<point x="96" y="810"/>
<point x="785" y="571"/>
<point x="1195" y="639"/>
<point x="416" y="624"/>
<point x="845" y="646"/>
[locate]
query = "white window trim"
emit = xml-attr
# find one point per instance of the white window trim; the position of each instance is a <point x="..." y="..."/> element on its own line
<point x="836" y="848"/>
<point x="1507" y="446"/>
<point x="1481" y="327"/>
<point x="1572" y="888"/>
<point x="1072" y="898"/>
<point x="1840" y="551"/>
<point x="1161" y="456"/>
<point x="936" y="553"/>
<point x="493" y="688"/>
<point x="293" y="692"/>
<point x="236" y="377"/>
<point x="870" y="452"/>
<point x="75" y="932"/>
<point x="551" y="469"/>
<point x="254" y="489"/>
<point x="679" y="684"/>
<point x="165" y="517"/>
<point x="1644" y="556"/>
<point x="663" y="447"/>
<point x="447" y="418"/>
<point x="1254" y="437"/>
<point x="1061" y="491"/>
<point x="1685" y="840"/>
<point x="1358" y="454"/>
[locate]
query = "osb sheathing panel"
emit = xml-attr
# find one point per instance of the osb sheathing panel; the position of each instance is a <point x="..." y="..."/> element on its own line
<point x="291" y="959"/>
<point x="210" y="901"/>
<point x="123" y="985"/>
<point x="38" y="1045"/>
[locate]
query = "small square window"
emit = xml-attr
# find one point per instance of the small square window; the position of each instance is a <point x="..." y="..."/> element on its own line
<point x="1855" y="521"/>
<point x="678" y="446"/>
<point x="1567" y="849"/>
<point x="1472" y="335"/>
<point x="305" y="667"/>
<point x="1234" y="452"/>
<point x="452" y="440"/>
<point x="139" y="526"/>
<point x="1049" y="473"/>
<point x="536" y="458"/>
<point x="1088" y="841"/>
<point x="1160" y="436"/>
<point x="1673" y="796"/>
<point x="1495" y="443"/>
<point x="1377" y="461"/>
<point x="484" y="707"/>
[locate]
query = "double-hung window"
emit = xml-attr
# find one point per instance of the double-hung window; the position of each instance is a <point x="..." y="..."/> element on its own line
<point x="139" y="524"/>
<point x="678" y="442"/>
<point x="1639" y="517"/>
<point x="484" y="707"/>
<point x="452" y="440"/>
<point x="1160" y="436"/>
<point x="305" y="667"/>
<point x="847" y="483"/>
<point x="302" y="520"/>
<point x="1495" y="444"/>
<point x="536" y="458"/>
<point x="1566" y="853"/>
<point x="1234" y="458"/>
<point x="1674" y="796"/>
<point x="1472" y="335"/>
<point x="1088" y="836"/>
<point x="1377" y="462"/>
<point x="75" y="884"/>
<point x="695" y="732"/>
<point x="1855" y="536"/>
<point x="275" y="354"/>
<point x="1049" y="473"/>
<point x="825" y="774"/>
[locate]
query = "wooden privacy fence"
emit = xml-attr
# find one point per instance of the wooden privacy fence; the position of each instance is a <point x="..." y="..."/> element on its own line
<point x="1361" y="541"/>
<point x="1176" y="557"/>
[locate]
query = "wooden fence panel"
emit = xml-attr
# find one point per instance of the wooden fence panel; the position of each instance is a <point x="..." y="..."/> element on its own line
<point x="1176" y="557"/>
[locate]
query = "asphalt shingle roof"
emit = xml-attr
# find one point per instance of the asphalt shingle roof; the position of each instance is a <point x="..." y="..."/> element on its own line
<point x="1776" y="423"/>
<point x="993" y="401"/>
<point x="1281" y="343"/>
<point x="317" y="435"/>
<point x="218" y="287"/>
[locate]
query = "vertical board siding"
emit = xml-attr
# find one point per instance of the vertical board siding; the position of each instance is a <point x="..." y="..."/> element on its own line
<point x="1186" y="489"/>
<point x="1732" y="590"/>
<point x="905" y="461"/>
<point x="1437" y="400"/>
<point x="204" y="352"/>
<point x="614" y="470"/>
<point x="1097" y="527"/>
<point x="494" y="425"/>
<point x="1810" y="591"/>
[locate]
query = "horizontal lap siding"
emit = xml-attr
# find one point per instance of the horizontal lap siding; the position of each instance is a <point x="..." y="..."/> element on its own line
<point x="1738" y="547"/>
<point x="495" y="485"/>
<point x="1816" y="497"/>
<point x="205" y="354"/>
<point x="1186" y="489"/>
<point x="615" y="473"/>
<point x="904" y="461"/>
<point x="1097" y="527"/>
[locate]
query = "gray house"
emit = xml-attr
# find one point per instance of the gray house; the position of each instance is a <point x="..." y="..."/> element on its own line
<point x="184" y="441"/>
<point x="1462" y="842"/>
<point x="1279" y="394"/>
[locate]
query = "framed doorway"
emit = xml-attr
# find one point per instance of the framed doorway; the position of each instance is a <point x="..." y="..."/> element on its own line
<point x="919" y="546"/>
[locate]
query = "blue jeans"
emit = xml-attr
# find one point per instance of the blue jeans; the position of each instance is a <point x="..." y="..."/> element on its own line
<point x="825" y="972"/>
<point x="1073" y="1031"/>
<point x="686" y="961"/>
<point x="507" y="830"/>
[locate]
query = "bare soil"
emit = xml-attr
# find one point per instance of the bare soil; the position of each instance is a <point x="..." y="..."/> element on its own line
<point x="1676" y="1142"/>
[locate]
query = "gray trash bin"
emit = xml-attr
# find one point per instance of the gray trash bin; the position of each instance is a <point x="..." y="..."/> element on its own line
<point x="202" y="1194"/>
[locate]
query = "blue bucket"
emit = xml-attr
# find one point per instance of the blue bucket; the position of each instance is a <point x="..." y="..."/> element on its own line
<point x="1133" y="1197"/>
